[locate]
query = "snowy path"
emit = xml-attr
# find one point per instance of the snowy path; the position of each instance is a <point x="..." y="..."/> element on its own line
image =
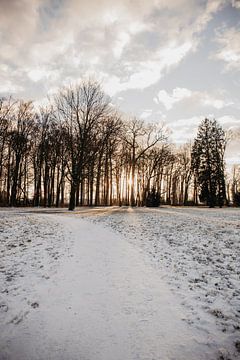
<point x="103" y="302"/>
<point x="197" y="251"/>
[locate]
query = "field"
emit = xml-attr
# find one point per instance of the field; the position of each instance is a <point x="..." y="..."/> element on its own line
<point x="120" y="283"/>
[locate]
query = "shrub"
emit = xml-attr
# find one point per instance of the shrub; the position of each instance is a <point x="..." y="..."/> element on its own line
<point x="153" y="198"/>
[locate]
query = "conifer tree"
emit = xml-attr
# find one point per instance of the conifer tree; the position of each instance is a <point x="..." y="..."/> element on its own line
<point x="208" y="162"/>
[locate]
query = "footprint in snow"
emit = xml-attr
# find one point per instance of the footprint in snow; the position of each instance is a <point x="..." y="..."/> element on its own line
<point x="35" y="305"/>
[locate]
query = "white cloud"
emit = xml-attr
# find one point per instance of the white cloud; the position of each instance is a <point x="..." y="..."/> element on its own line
<point x="174" y="53"/>
<point x="229" y="47"/>
<point x="39" y="73"/>
<point x="229" y="121"/>
<point x="8" y="87"/>
<point x="131" y="44"/>
<point x="236" y="4"/>
<point x="192" y="122"/>
<point x="127" y="45"/>
<point x="168" y="100"/>
<point x="110" y="16"/>
<point x="218" y="101"/>
<point x="121" y="41"/>
<point x="184" y="130"/>
<point x="146" y="113"/>
<point x="147" y="72"/>
<point x="212" y="6"/>
<point x="36" y="74"/>
<point x="208" y="100"/>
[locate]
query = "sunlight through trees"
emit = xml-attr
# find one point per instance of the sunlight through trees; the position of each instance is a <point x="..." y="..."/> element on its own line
<point x="80" y="151"/>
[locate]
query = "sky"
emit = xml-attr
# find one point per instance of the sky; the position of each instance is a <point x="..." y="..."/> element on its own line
<point x="169" y="61"/>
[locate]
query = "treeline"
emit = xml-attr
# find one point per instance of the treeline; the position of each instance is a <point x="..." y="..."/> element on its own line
<point x="80" y="151"/>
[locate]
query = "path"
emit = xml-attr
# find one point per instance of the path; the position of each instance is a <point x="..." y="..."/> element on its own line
<point x="105" y="302"/>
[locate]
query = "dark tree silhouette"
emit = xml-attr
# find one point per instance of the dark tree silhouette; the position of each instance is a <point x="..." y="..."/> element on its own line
<point x="81" y="151"/>
<point x="81" y="108"/>
<point x="153" y="198"/>
<point x="20" y="138"/>
<point x="139" y="139"/>
<point x="208" y="162"/>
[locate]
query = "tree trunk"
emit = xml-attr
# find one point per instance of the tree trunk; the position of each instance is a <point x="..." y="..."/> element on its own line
<point x="72" y="200"/>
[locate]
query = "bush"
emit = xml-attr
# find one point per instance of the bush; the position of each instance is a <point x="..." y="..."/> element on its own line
<point x="153" y="198"/>
<point x="236" y="199"/>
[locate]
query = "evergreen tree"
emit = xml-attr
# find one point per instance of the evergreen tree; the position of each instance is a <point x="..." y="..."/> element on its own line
<point x="208" y="162"/>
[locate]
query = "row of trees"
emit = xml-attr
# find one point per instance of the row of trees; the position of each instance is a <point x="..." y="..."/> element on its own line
<point x="80" y="151"/>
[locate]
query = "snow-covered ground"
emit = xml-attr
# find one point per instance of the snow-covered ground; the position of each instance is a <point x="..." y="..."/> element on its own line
<point x="120" y="283"/>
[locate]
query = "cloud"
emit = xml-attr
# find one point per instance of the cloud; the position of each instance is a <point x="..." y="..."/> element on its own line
<point x="169" y="100"/>
<point x="228" y="40"/>
<point x="217" y="101"/>
<point x="184" y="130"/>
<point x="211" y="8"/>
<point x="10" y="88"/>
<point x="19" y="26"/>
<point x="143" y="74"/>
<point x="236" y="4"/>
<point x="121" y="41"/>
<point x="229" y="121"/>
<point x="146" y="113"/>
<point x="131" y="44"/>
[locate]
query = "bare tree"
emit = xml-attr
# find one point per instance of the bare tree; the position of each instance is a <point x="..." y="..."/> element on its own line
<point x="6" y="113"/>
<point x="20" y="139"/>
<point x="81" y="108"/>
<point x="109" y="137"/>
<point x="139" y="139"/>
<point x="152" y="169"/>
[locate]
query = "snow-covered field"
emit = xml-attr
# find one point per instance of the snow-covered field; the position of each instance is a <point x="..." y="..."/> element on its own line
<point x="120" y="283"/>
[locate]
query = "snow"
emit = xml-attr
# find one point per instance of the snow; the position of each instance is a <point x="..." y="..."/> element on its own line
<point x="119" y="283"/>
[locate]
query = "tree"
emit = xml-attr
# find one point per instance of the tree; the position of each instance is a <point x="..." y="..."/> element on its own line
<point x="236" y="185"/>
<point x="208" y="162"/>
<point x="6" y="114"/>
<point x="107" y="142"/>
<point x="183" y="173"/>
<point x="139" y="139"/>
<point x="81" y="108"/>
<point x="151" y="169"/>
<point x="20" y="139"/>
